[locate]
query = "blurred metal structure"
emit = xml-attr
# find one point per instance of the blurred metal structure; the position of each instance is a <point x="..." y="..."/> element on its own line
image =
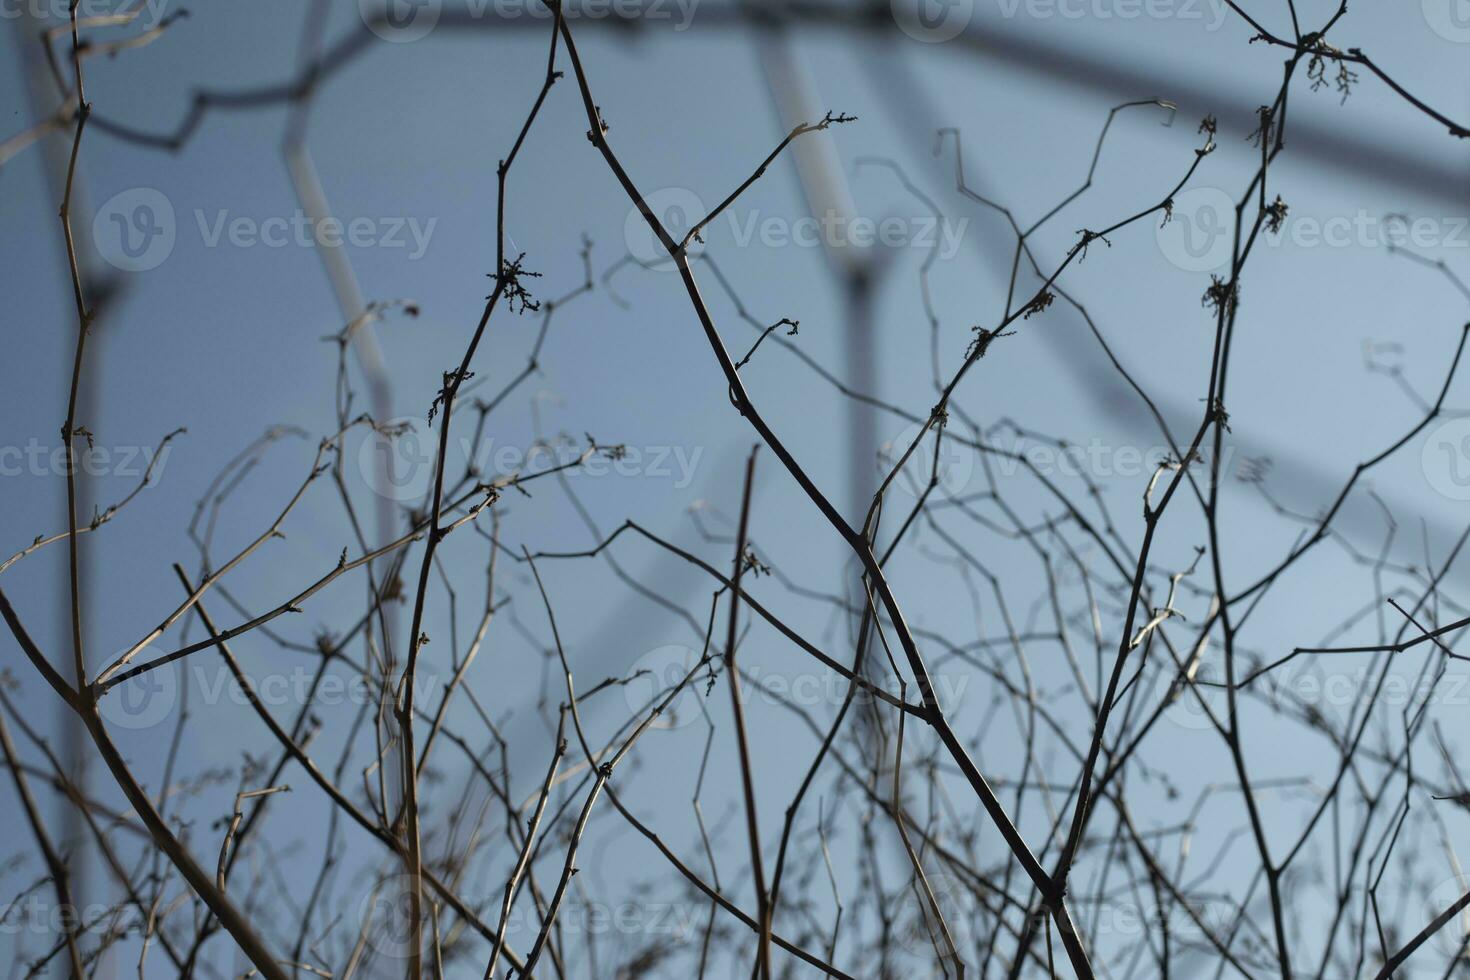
<point x="829" y="199"/>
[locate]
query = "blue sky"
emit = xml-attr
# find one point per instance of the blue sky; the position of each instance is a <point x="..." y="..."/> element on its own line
<point x="223" y="334"/>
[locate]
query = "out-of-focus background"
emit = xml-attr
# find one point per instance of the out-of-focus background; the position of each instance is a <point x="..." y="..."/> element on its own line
<point x="219" y="293"/>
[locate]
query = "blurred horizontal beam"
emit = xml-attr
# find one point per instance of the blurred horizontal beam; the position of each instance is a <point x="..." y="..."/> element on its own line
<point x="1349" y="150"/>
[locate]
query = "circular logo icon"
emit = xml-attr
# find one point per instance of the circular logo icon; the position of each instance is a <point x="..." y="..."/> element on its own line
<point x="656" y="673"/>
<point x="1450" y="19"/>
<point x="954" y="467"/>
<point x="1190" y="701"/>
<point x="1198" y="234"/>
<point x="915" y="925"/>
<point x="1450" y="938"/>
<point x="677" y="209"/>
<point x="1325" y="697"/>
<point x="1446" y="459"/>
<point x="397" y="459"/>
<point x="141" y="702"/>
<point x="385" y="917"/>
<point x="135" y="230"/>
<point x="400" y="21"/>
<point x="932" y="21"/>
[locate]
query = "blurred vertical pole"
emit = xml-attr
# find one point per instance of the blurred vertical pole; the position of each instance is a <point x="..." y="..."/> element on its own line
<point x="54" y="147"/>
<point x="828" y="198"/>
<point x="350" y="303"/>
<point x="830" y="201"/>
<point x="862" y="375"/>
<point x="352" y="307"/>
